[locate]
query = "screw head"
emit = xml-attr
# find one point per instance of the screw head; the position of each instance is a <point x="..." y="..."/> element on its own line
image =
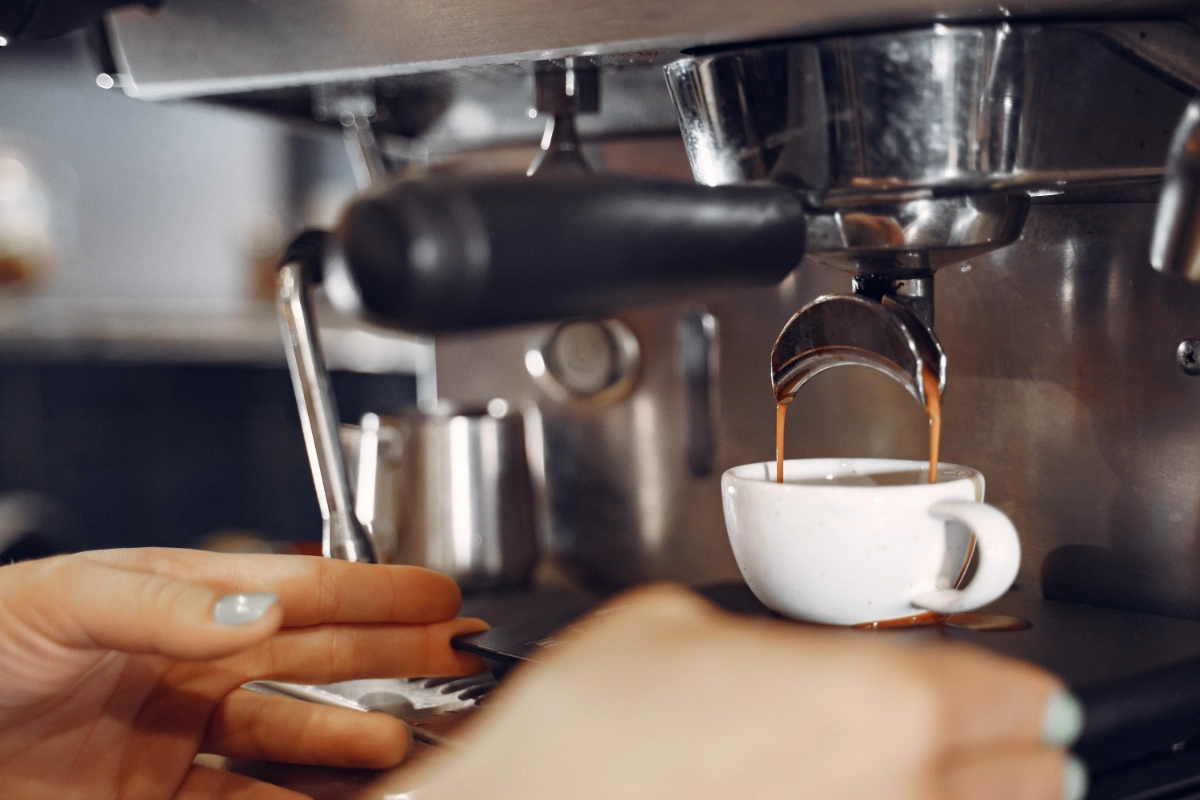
<point x="1188" y="356"/>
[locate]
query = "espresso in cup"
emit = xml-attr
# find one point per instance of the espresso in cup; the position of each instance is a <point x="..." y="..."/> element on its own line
<point x="860" y="541"/>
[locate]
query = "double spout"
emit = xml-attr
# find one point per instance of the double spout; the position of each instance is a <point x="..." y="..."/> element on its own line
<point x="843" y="330"/>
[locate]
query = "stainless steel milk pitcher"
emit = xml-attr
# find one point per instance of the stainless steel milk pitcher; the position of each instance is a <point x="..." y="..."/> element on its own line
<point x="450" y="491"/>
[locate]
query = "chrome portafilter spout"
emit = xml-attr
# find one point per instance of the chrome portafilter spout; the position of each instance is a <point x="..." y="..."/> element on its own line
<point x="841" y="330"/>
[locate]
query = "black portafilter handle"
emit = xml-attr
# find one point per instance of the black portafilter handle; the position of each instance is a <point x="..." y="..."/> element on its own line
<point x="468" y="252"/>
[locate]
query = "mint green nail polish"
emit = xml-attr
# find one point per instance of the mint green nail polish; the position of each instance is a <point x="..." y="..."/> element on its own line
<point x="240" y="609"/>
<point x="1075" y="779"/>
<point x="1062" y="720"/>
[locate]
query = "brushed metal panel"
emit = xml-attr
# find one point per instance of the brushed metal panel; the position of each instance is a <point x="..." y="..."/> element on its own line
<point x="203" y="47"/>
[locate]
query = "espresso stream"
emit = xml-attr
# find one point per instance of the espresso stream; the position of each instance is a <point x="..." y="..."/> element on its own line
<point x="970" y="620"/>
<point x="933" y="408"/>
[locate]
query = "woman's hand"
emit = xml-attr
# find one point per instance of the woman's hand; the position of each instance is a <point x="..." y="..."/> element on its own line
<point x="661" y="696"/>
<point x="118" y="667"/>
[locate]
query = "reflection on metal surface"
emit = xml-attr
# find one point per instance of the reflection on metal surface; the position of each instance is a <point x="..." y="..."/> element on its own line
<point x="698" y="360"/>
<point x="366" y="473"/>
<point x="1175" y="248"/>
<point x="651" y="479"/>
<point x="373" y="452"/>
<point x="918" y="112"/>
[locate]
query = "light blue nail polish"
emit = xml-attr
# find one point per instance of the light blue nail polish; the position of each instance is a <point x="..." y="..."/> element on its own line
<point x="1062" y="720"/>
<point x="1075" y="780"/>
<point x="240" y="609"/>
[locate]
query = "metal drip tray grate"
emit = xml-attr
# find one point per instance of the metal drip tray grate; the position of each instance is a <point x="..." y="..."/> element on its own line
<point x="417" y="701"/>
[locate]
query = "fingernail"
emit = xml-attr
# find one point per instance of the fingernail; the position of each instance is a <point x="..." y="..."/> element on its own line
<point x="240" y="609"/>
<point x="1062" y="720"/>
<point x="1075" y="779"/>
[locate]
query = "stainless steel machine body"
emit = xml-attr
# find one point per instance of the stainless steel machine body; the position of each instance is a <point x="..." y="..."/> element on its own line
<point x="1016" y="159"/>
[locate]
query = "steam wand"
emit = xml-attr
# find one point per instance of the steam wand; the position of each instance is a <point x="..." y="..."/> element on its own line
<point x="342" y="535"/>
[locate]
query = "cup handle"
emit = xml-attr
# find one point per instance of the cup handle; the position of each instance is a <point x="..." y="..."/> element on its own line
<point x="998" y="549"/>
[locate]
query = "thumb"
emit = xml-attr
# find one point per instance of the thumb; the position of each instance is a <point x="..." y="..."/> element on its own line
<point x="87" y="604"/>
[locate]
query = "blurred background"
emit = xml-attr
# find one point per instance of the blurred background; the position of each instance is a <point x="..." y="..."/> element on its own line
<point x="144" y="398"/>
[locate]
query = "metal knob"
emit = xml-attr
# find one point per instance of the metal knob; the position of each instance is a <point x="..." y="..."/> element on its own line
<point x="840" y="330"/>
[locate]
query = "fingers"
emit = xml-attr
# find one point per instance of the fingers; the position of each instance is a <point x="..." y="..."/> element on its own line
<point x="263" y="727"/>
<point x="1015" y="707"/>
<point x="206" y="783"/>
<point x="1034" y="773"/>
<point x="312" y="590"/>
<point x="94" y="605"/>
<point x="333" y="653"/>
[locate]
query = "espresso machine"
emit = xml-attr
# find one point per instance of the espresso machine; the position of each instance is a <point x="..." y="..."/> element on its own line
<point x="959" y="155"/>
<point x="844" y="163"/>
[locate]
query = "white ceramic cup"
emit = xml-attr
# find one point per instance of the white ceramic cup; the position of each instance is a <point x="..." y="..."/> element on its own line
<point x="848" y="541"/>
